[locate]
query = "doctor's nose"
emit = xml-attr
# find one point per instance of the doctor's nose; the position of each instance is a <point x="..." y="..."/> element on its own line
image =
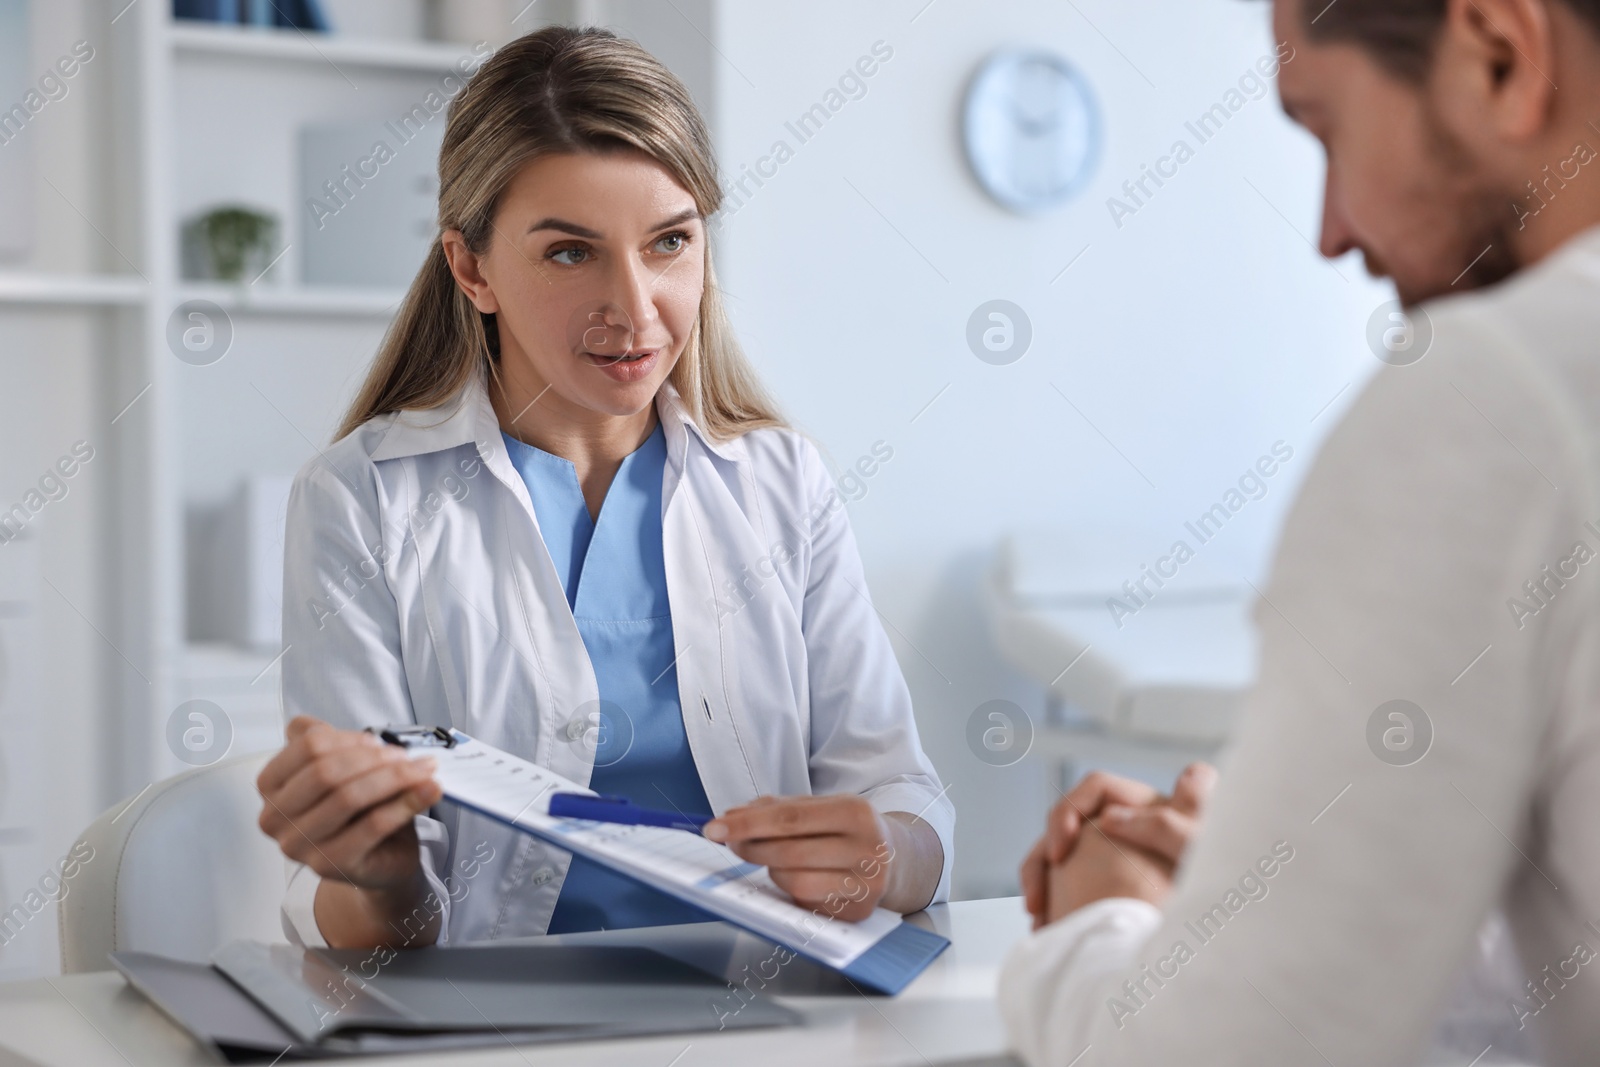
<point x="631" y="296"/>
<point x="620" y="316"/>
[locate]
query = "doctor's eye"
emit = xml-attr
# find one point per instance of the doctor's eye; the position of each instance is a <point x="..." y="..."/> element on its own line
<point x="673" y="243"/>
<point x="578" y="252"/>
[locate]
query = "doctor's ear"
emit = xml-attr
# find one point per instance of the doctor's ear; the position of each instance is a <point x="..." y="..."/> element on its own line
<point x="467" y="268"/>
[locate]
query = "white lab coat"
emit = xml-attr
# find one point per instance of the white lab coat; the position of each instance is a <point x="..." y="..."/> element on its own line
<point x="417" y="589"/>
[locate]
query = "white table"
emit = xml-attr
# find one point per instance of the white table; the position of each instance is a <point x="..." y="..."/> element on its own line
<point x="947" y="1015"/>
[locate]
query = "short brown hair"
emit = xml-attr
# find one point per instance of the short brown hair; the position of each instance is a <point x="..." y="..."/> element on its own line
<point x="1400" y="34"/>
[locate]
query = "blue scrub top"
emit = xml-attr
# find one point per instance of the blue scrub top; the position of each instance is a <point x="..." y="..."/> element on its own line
<point x="614" y="573"/>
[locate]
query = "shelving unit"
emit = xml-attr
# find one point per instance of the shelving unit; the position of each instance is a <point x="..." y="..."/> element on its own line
<point x="185" y="116"/>
<point x="103" y="290"/>
<point x="296" y="300"/>
<point x="217" y="109"/>
<point x="294" y="46"/>
<point x="202" y="115"/>
<point x="179" y="98"/>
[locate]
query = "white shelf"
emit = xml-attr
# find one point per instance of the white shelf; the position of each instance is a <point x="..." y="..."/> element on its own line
<point x="86" y="289"/>
<point x="296" y="300"/>
<point x="302" y="46"/>
<point x="119" y="290"/>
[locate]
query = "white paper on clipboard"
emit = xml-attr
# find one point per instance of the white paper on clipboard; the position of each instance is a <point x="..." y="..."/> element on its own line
<point x="692" y="868"/>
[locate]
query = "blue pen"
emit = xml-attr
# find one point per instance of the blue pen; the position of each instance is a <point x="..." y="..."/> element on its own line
<point x="622" y="810"/>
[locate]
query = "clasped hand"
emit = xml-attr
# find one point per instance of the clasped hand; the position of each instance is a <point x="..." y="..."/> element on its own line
<point x="1113" y="837"/>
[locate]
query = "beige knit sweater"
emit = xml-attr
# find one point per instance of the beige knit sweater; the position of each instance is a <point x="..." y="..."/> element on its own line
<point x="1445" y="552"/>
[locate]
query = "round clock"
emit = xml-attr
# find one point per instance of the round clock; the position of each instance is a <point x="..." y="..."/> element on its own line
<point x="1032" y="129"/>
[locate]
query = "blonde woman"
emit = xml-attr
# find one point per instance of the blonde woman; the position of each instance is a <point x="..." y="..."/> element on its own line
<point x="563" y="517"/>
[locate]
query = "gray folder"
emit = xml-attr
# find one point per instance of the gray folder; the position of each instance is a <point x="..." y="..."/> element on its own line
<point x="261" y="1001"/>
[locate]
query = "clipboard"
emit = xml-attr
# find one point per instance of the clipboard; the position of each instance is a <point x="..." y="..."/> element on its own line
<point x="882" y="952"/>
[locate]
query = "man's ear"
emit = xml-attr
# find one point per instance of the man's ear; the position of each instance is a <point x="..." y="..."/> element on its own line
<point x="1493" y="75"/>
<point x="468" y="271"/>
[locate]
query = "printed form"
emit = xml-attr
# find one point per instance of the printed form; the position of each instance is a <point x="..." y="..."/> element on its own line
<point x="685" y="865"/>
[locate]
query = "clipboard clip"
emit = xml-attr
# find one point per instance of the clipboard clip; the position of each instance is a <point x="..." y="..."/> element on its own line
<point x="416" y="736"/>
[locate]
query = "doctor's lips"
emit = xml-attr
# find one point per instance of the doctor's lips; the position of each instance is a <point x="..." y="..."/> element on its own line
<point x="631" y="355"/>
<point x="604" y="337"/>
<point x="625" y="365"/>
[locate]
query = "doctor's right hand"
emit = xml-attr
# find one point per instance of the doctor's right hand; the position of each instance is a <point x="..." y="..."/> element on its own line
<point x="342" y="802"/>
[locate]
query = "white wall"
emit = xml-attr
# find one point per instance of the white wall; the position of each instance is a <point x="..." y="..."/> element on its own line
<point x="1194" y="337"/>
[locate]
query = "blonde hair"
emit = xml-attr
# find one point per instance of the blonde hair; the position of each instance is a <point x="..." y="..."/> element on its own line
<point x="558" y="90"/>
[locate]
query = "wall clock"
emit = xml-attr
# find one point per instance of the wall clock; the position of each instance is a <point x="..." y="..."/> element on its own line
<point x="1032" y="129"/>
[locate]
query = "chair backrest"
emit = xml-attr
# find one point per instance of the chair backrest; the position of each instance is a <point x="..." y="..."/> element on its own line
<point x="180" y="871"/>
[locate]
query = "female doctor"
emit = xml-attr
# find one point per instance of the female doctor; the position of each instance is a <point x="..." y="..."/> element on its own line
<point x="563" y="517"/>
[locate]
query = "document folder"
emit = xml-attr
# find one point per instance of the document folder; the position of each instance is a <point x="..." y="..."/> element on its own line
<point x="262" y="1002"/>
<point x="882" y="952"/>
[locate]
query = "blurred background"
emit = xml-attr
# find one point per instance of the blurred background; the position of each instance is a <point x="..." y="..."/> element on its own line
<point x="1038" y="276"/>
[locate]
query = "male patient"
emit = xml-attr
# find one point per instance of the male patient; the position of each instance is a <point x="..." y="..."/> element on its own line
<point x="1423" y="745"/>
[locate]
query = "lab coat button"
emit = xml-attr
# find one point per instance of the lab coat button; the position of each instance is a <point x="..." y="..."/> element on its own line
<point x="542" y="875"/>
<point x="575" y="729"/>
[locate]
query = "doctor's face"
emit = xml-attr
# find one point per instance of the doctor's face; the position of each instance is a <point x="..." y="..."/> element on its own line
<point x="1400" y="187"/>
<point x="595" y="272"/>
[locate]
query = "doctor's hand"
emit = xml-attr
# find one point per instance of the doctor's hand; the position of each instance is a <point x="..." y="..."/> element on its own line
<point x="342" y="802"/>
<point x="836" y="854"/>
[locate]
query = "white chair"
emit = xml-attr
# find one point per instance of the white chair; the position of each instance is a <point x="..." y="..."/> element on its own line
<point x="180" y="871"/>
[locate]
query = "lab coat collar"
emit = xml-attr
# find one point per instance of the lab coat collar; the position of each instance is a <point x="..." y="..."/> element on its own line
<point x="677" y="423"/>
<point x="470" y="418"/>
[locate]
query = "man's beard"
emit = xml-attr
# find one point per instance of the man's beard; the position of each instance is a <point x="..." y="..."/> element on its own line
<point x="1484" y="254"/>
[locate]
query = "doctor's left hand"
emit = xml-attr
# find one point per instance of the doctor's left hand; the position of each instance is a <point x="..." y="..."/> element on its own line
<point x="831" y="854"/>
<point x="837" y="855"/>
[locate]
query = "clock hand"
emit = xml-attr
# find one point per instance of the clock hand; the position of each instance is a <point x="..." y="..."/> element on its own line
<point x="1033" y="122"/>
